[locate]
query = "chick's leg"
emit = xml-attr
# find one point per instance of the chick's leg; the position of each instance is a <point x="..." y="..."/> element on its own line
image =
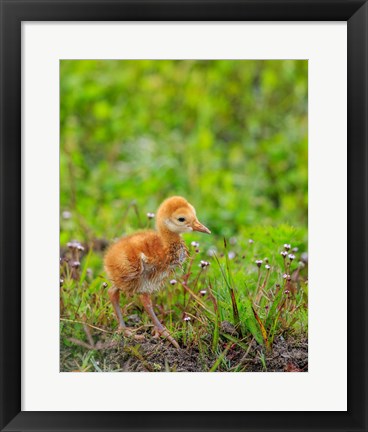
<point x="147" y="304"/>
<point x="114" y="295"/>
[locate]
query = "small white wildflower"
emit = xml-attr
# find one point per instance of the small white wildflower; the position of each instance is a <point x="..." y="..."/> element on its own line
<point x="195" y="244"/>
<point x="301" y="264"/>
<point x="250" y="241"/>
<point x="76" y="264"/>
<point x="173" y="281"/>
<point x="286" y="292"/>
<point x="204" y="264"/>
<point x="74" y="244"/>
<point x="267" y="266"/>
<point x="295" y="249"/>
<point x="66" y="214"/>
<point x="291" y="257"/>
<point x="211" y="251"/>
<point x="150" y="215"/>
<point x="283" y="253"/>
<point x="203" y="292"/>
<point x="287" y="246"/>
<point x="187" y="318"/>
<point x="259" y="262"/>
<point x="231" y="255"/>
<point x="285" y="276"/>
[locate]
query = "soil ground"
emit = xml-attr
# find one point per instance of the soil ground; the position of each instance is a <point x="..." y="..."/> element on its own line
<point x="289" y="354"/>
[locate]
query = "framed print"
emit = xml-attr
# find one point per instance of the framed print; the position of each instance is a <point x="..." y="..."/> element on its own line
<point x="183" y="215"/>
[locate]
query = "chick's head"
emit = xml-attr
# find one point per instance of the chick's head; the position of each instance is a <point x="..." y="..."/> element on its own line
<point x="177" y="215"/>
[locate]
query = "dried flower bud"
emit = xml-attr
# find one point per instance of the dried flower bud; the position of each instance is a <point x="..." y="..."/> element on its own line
<point x="287" y="246"/>
<point x="173" y="281"/>
<point x="259" y="263"/>
<point x="197" y="250"/>
<point x="150" y="215"/>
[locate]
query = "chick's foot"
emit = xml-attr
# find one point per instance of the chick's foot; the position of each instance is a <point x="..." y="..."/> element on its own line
<point x="164" y="333"/>
<point x="129" y="333"/>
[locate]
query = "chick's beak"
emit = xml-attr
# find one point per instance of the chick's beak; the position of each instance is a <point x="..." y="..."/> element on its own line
<point x="197" y="226"/>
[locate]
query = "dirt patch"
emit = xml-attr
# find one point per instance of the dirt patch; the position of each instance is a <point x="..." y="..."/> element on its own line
<point x="155" y="355"/>
<point x="289" y="354"/>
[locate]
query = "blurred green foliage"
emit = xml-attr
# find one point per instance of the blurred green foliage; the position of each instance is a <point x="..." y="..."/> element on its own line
<point x="230" y="136"/>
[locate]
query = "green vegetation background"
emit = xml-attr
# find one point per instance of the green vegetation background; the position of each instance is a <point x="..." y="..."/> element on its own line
<point x="231" y="136"/>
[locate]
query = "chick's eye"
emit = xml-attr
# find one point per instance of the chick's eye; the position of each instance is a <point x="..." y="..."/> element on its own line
<point x="181" y="219"/>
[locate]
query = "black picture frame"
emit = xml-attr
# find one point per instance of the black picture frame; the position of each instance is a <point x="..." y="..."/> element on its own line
<point x="13" y="12"/>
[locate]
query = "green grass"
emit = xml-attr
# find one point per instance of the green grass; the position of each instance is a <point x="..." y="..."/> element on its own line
<point x="259" y="303"/>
